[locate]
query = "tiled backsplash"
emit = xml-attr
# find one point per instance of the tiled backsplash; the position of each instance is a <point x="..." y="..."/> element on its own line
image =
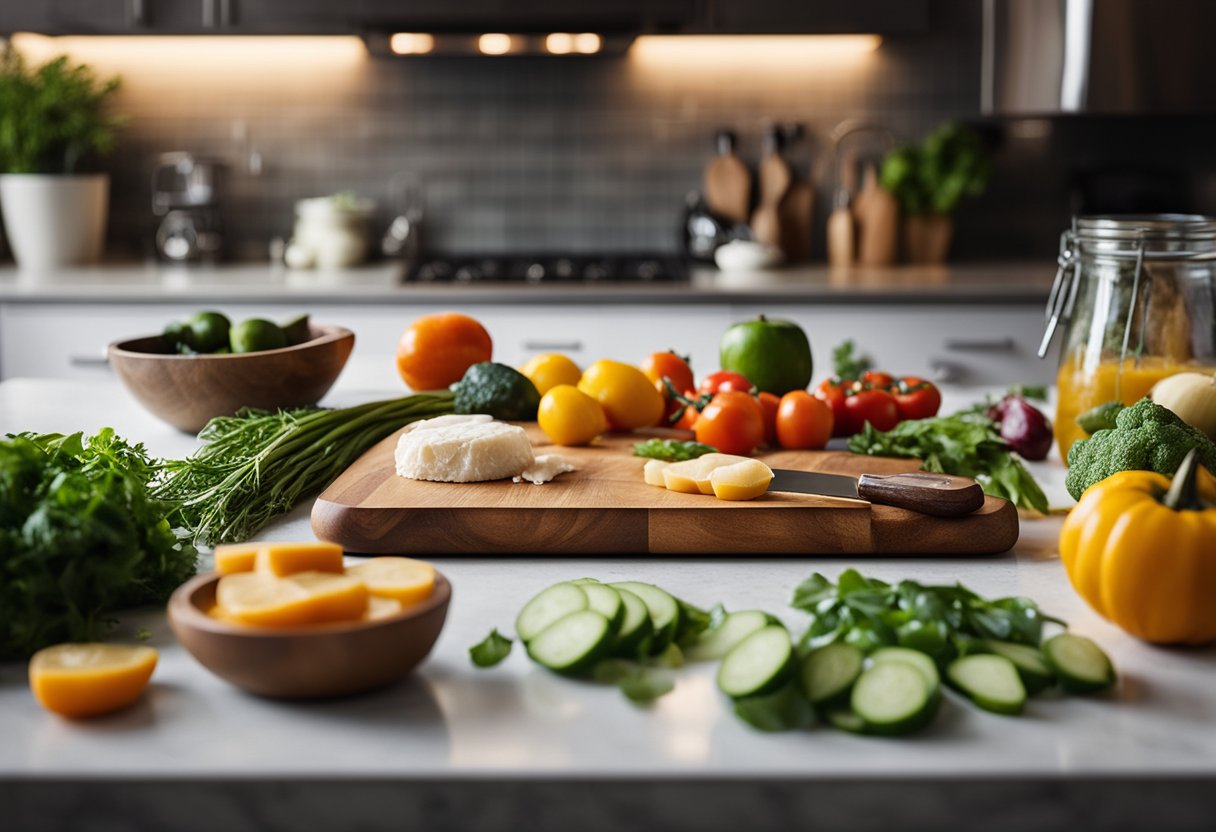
<point x="539" y="153"/>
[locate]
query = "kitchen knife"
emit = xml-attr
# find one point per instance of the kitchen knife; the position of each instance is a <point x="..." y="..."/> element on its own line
<point x="941" y="495"/>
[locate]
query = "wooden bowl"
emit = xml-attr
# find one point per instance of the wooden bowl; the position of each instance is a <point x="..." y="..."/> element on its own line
<point x="325" y="660"/>
<point x="189" y="390"/>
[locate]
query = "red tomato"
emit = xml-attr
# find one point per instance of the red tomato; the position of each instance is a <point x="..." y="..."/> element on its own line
<point x="832" y="392"/>
<point x="916" y="398"/>
<point x="660" y="364"/>
<point x="733" y="422"/>
<point x="690" y="415"/>
<point x="803" y="421"/>
<point x="874" y="406"/>
<point x="724" y="381"/>
<point x="877" y="379"/>
<point x="769" y="403"/>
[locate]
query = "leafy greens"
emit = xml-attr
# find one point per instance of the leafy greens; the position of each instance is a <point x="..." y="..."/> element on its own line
<point x="81" y="535"/>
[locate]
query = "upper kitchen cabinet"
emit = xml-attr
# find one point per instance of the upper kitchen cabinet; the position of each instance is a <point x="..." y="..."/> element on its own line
<point x="529" y="15"/>
<point x="134" y="17"/>
<point x="781" y="17"/>
<point x="363" y="16"/>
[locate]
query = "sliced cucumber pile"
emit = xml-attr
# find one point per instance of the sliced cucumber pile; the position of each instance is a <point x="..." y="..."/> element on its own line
<point x="636" y="635"/>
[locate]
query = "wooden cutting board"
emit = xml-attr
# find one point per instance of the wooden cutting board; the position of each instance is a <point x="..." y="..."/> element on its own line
<point x="605" y="508"/>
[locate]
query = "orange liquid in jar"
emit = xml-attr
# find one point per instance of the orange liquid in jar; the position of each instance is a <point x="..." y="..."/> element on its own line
<point x="1128" y="381"/>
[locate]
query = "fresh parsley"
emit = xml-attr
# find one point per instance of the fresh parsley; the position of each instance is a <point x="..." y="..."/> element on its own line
<point x="81" y="535"/>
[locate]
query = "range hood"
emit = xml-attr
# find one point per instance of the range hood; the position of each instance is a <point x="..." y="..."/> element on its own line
<point x="1043" y="57"/>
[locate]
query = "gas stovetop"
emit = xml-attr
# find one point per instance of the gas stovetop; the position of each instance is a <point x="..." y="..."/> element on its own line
<point x="555" y="269"/>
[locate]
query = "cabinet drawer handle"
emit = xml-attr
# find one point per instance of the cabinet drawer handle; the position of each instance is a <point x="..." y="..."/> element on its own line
<point x="981" y="344"/>
<point x="88" y="361"/>
<point x="553" y="346"/>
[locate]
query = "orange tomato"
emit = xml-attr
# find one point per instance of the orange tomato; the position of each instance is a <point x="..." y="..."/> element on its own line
<point x="669" y="364"/>
<point x="803" y="421"/>
<point x="437" y="349"/>
<point x="769" y="403"/>
<point x="733" y="422"/>
<point x="688" y="419"/>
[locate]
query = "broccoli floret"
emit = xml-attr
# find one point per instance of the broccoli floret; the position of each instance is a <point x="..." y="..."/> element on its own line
<point x="1146" y="437"/>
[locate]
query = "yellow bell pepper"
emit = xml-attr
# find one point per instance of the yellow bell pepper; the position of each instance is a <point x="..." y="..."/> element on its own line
<point x="1142" y="551"/>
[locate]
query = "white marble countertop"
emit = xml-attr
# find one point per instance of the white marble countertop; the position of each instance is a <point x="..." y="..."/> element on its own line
<point x="1021" y="283"/>
<point x="453" y="722"/>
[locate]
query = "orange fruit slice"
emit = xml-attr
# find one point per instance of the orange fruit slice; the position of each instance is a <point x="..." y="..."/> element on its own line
<point x="80" y="680"/>
<point x="262" y="600"/>
<point x="404" y="579"/>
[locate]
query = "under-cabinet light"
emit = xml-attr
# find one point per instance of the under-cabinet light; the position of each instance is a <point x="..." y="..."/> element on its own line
<point x="411" y="43"/>
<point x="494" y="43"/>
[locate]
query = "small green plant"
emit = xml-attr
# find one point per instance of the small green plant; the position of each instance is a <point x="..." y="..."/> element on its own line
<point x="933" y="177"/>
<point x="54" y="116"/>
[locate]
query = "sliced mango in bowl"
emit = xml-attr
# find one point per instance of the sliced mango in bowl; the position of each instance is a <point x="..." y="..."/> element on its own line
<point x="263" y="600"/>
<point x="405" y="580"/>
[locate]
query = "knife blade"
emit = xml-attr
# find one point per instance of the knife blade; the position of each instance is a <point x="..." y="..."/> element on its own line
<point x="939" y="495"/>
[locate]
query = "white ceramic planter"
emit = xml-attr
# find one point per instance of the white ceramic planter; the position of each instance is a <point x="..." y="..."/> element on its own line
<point x="54" y="220"/>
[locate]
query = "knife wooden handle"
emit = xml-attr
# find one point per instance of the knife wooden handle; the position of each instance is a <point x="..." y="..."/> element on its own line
<point x="941" y="495"/>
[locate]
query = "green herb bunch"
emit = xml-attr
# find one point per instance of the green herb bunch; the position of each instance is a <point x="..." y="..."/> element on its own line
<point x="80" y="535"/>
<point x="933" y="177"/>
<point x="258" y="464"/>
<point x="53" y="117"/>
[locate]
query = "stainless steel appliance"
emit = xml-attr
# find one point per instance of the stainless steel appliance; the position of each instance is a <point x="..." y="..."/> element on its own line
<point x="185" y="194"/>
<point x="1042" y="57"/>
<point x="549" y="269"/>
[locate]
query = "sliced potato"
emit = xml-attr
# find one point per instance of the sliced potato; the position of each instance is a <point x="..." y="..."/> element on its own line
<point x="745" y="480"/>
<point x="403" y="579"/>
<point x="260" y="599"/>
<point x="652" y="472"/>
<point x="692" y="476"/>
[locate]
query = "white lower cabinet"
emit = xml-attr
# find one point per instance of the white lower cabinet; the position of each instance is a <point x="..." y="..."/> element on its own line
<point x="957" y="344"/>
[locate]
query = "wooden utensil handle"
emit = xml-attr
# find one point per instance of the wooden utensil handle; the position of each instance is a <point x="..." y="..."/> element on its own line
<point x="941" y="495"/>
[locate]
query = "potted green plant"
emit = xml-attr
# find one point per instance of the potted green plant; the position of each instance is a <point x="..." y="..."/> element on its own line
<point x="53" y="125"/>
<point x="929" y="180"/>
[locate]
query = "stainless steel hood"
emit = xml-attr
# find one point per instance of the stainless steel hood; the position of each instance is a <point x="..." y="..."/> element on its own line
<point x="1043" y="57"/>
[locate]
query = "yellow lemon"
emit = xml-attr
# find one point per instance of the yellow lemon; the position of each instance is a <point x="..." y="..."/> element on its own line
<point x="549" y="370"/>
<point x="568" y="416"/>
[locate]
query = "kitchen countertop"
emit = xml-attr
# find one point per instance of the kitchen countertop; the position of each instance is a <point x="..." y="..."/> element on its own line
<point x="1117" y="759"/>
<point x="1025" y="283"/>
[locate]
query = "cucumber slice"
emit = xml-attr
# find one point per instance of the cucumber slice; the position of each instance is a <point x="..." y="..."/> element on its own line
<point x="548" y="606"/>
<point x="716" y="643"/>
<point x="990" y="681"/>
<point x="921" y="661"/>
<point x="573" y="643"/>
<point x="893" y="698"/>
<point x="1030" y="664"/>
<point x="759" y="664"/>
<point x="635" y="627"/>
<point x="664" y="611"/>
<point x="584" y="581"/>
<point x="1078" y="663"/>
<point x="607" y="602"/>
<point x="844" y="719"/>
<point x="828" y="674"/>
